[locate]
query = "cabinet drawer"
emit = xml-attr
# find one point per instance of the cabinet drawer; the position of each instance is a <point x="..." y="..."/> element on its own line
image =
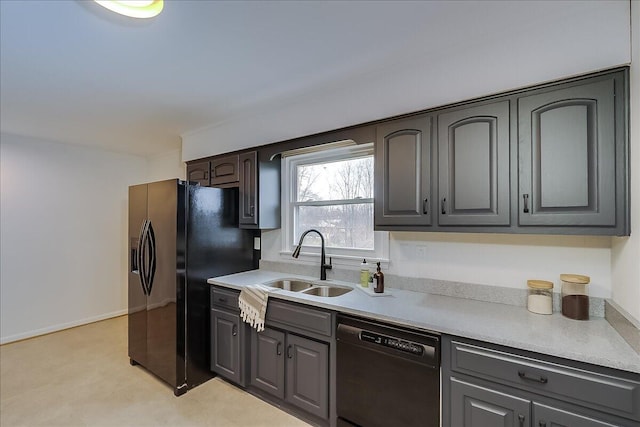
<point x="225" y="298"/>
<point x="298" y="317"/>
<point x="591" y="389"/>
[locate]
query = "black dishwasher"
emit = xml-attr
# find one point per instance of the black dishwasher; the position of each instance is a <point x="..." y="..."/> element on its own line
<point x="386" y="375"/>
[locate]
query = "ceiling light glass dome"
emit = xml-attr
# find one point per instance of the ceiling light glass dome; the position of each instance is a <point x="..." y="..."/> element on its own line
<point x="134" y="8"/>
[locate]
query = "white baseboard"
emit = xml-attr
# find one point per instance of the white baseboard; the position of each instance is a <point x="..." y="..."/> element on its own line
<point x="60" y="327"/>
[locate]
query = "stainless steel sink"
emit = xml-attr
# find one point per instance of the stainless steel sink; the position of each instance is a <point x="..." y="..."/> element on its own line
<point x="327" y="291"/>
<point x="290" y="285"/>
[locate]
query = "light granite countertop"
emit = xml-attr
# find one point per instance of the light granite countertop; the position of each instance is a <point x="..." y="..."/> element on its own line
<point x="593" y="341"/>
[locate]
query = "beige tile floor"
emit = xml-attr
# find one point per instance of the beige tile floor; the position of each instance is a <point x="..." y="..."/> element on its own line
<point x="82" y="377"/>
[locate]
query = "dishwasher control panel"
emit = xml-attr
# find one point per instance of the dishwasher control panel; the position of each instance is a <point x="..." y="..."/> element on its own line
<point x="398" y="344"/>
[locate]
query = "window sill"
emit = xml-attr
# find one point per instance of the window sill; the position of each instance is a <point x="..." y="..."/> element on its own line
<point x="350" y="262"/>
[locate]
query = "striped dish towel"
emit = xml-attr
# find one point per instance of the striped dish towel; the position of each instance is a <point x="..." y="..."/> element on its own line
<point x="253" y="305"/>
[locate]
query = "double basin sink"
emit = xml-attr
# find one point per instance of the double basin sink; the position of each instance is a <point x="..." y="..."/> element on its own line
<point x="309" y="288"/>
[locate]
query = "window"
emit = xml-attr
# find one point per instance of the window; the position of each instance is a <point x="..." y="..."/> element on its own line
<point x="331" y="190"/>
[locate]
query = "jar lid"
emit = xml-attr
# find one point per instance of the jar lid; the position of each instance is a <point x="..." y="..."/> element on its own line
<point x="575" y="278"/>
<point x="540" y="284"/>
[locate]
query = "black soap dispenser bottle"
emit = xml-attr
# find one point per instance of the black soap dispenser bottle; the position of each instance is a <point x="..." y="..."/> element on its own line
<point x="378" y="279"/>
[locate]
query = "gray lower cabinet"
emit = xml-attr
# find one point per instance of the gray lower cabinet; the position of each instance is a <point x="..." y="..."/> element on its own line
<point x="476" y="406"/>
<point x="292" y="368"/>
<point x="486" y="385"/>
<point x="547" y="416"/>
<point x="567" y="155"/>
<point x="227" y="335"/>
<point x="308" y="375"/>
<point x="473" y="165"/>
<point x="267" y="361"/>
<point x="403" y="172"/>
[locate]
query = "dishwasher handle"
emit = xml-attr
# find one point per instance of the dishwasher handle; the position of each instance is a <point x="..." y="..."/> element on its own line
<point x="397" y="347"/>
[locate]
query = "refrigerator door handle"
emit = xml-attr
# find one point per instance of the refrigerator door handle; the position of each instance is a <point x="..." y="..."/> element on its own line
<point x="152" y="257"/>
<point x="140" y="256"/>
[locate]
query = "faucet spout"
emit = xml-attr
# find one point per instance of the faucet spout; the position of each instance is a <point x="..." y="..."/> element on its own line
<point x="323" y="262"/>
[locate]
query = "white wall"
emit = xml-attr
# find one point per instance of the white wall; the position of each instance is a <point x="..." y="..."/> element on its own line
<point x="489" y="259"/>
<point x="63" y="222"/>
<point x="626" y="251"/>
<point x="518" y="44"/>
<point x="166" y="166"/>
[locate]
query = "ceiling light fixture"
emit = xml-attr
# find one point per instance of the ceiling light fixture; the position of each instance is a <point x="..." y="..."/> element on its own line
<point x="134" y="8"/>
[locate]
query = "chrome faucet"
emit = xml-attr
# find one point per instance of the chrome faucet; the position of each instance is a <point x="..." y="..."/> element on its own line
<point x="323" y="262"/>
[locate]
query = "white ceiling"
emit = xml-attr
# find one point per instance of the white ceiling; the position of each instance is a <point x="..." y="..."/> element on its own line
<point x="73" y="72"/>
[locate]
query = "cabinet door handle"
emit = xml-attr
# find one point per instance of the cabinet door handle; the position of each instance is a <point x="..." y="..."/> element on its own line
<point x="525" y="207"/>
<point x="425" y="206"/>
<point x="539" y="379"/>
<point x="252" y="211"/>
<point x="521" y="420"/>
<point x="443" y="206"/>
<point x="279" y="348"/>
<point x="542" y="423"/>
<point x="289" y="355"/>
<point x="234" y="330"/>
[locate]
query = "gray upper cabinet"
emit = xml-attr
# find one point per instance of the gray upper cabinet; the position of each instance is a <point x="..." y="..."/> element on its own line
<point x="567" y="156"/>
<point x="403" y="173"/>
<point x="259" y="191"/>
<point x="248" y="188"/>
<point x="551" y="159"/>
<point x="199" y="172"/>
<point x="473" y="165"/>
<point x="224" y="170"/>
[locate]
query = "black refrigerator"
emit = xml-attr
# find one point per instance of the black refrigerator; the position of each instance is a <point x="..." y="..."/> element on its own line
<point x="180" y="234"/>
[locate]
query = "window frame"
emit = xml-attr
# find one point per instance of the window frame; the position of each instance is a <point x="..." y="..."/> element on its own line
<point x="340" y="256"/>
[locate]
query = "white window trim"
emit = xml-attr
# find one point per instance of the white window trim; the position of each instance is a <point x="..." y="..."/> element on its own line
<point x="340" y="256"/>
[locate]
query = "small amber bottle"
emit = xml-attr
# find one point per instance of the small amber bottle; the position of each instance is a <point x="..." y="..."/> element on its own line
<point x="378" y="279"/>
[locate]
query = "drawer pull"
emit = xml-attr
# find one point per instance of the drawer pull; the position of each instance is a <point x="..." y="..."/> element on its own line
<point x="222" y="299"/>
<point x="525" y="376"/>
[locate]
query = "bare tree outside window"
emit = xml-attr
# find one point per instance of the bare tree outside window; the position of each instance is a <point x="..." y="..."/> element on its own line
<point x="337" y="199"/>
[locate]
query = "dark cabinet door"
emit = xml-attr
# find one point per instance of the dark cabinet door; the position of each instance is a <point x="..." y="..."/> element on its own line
<point x="567" y="156"/>
<point x="227" y="335"/>
<point x="308" y="375"/>
<point x="267" y="361"/>
<point x="546" y="416"/>
<point x="473" y="165"/>
<point x="248" y="188"/>
<point x="476" y="406"/>
<point x="199" y="172"/>
<point x="402" y="173"/>
<point x="224" y="170"/>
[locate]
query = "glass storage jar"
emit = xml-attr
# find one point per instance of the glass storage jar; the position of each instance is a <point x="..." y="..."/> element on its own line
<point x="575" y="296"/>
<point x="540" y="298"/>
